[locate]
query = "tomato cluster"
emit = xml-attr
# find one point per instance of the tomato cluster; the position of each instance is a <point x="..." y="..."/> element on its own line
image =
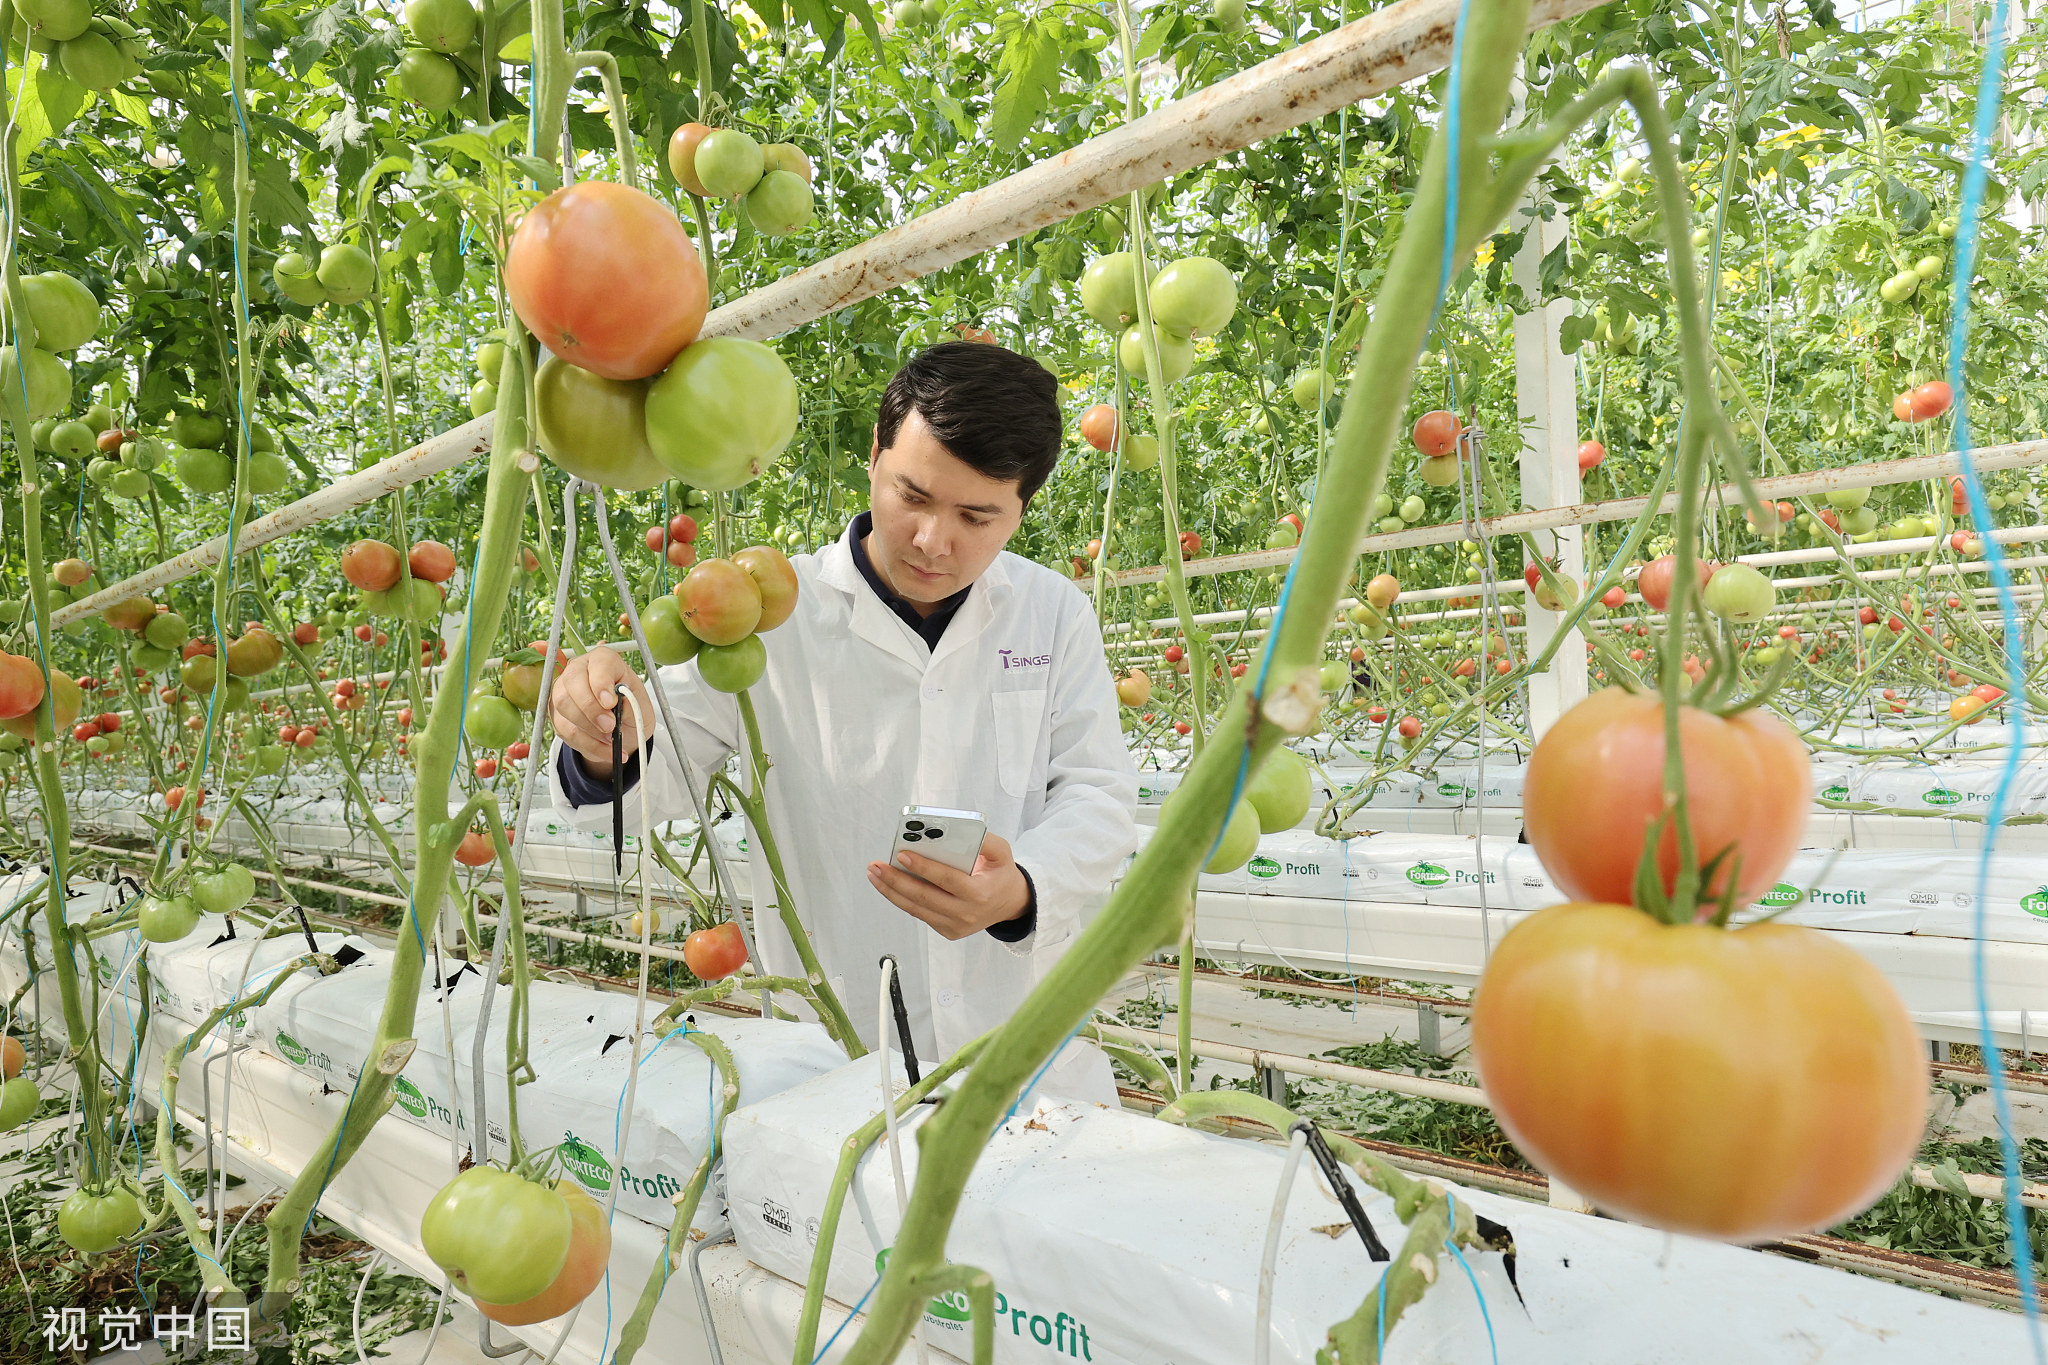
<point x="605" y="277"/>
<point x="715" y="616"/>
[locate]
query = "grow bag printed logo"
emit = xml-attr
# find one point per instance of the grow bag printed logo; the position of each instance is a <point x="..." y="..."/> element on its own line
<point x="1838" y="792"/>
<point x="404" y="1092"/>
<point x="1784" y="893"/>
<point x="1263" y="867"/>
<point x="294" y="1052"/>
<point x="1428" y="874"/>
<point x="2036" y="904"/>
<point x="585" y="1162"/>
<point x="1457" y="791"/>
<point x="1941" y="796"/>
<point x="951" y="1306"/>
<point x="1061" y="1332"/>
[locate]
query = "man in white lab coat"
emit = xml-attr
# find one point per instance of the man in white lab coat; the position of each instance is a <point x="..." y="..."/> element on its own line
<point x="924" y="665"/>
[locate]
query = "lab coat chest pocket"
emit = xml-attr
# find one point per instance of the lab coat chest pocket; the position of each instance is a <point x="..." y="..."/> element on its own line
<point x="1019" y="717"/>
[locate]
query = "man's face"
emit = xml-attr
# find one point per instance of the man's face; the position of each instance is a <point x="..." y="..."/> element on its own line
<point x="938" y="521"/>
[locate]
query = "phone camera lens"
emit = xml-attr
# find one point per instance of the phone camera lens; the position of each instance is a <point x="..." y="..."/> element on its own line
<point x="935" y="831"/>
<point x="911" y="836"/>
<point x="912" y="826"/>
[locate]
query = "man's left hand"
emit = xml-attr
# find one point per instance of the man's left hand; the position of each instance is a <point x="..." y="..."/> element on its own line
<point x="957" y="904"/>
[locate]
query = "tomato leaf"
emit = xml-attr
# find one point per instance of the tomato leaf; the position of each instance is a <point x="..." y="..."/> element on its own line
<point x="1030" y="69"/>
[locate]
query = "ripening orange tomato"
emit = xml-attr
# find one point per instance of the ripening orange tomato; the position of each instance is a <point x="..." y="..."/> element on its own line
<point x="1740" y="1084"/>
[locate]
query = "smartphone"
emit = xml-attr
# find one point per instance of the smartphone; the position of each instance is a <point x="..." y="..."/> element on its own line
<point x="952" y="837"/>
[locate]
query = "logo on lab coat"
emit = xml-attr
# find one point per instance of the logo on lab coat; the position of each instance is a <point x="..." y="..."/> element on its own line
<point x="1012" y="659"/>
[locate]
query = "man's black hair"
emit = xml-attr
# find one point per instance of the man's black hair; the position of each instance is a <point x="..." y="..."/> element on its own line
<point x="991" y="408"/>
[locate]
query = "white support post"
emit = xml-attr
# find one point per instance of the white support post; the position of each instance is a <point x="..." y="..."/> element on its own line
<point x="1547" y="397"/>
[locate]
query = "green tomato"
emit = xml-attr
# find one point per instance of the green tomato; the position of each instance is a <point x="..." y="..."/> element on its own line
<point x="1899" y="287"/>
<point x="1927" y="267"/>
<point x="503" y="1239"/>
<point x="492" y="723"/>
<point x="166" y="919"/>
<point x="1109" y="289"/>
<point x="95" y="1223"/>
<point x="295" y="278"/>
<point x="92" y="60"/>
<point x="593" y="427"/>
<point x="1280" y="791"/>
<point x="198" y="430"/>
<point x="490" y="361"/>
<point x="483" y="397"/>
<point x="1176" y="354"/>
<point x="1311" y="389"/>
<point x="1388" y="525"/>
<point x="1240" y="840"/>
<point x="167" y="631"/>
<point x="1194" y="296"/>
<point x="57" y="20"/>
<point x="1228" y="14"/>
<point x="19" y="1100"/>
<point x="780" y="202"/>
<point x="443" y="25"/>
<point x="224" y="890"/>
<point x="101" y="472"/>
<point x="270" y="758"/>
<point x="268" y="472"/>
<point x="729" y="163"/>
<point x="1412" y="507"/>
<point x="347" y="273"/>
<point x="64" y="311"/>
<point x="734" y="667"/>
<point x="668" y="639"/>
<point x="1738" y="592"/>
<point x="1860" y="522"/>
<point x="429" y="79"/>
<point x="1141" y="452"/>
<point x="45" y="379"/>
<point x="1383" y="505"/>
<point x="1847" y="499"/>
<point x="205" y="472"/>
<point x="722" y="412"/>
<point x="908" y="14"/>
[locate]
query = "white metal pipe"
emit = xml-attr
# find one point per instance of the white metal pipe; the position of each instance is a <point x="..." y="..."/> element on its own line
<point x="2020" y="455"/>
<point x="449" y="449"/>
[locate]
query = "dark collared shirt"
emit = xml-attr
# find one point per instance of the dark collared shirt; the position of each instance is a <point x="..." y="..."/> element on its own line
<point x="584" y="789"/>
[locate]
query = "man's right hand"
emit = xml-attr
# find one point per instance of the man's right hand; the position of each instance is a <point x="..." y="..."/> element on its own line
<point x="586" y="707"/>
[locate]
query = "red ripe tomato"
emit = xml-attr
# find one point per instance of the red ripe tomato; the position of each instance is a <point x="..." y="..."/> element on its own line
<point x="404" y="716"/>
<point x="1924" y="403"/>
<point x="1578" y="1028"/>
<point x="607" y="278"/>
<point x="85" y="730"/>
<point x="1654" y="582"/>
<point x="1098" y="426"/>
<point x="193" y="648"/>
<point x="371" y="565"/>
<point x="305" y="633"/>
<point x="1181" y="727"/>
<point x="1867" y="616"/>
<point x="1410" y="727"/>
<point x="682" y="526"/>
<point x="475" y="849"/>
<point x="1591" y="453"/>
<point x="287" y="733"/>
<point x="515" y="752"/>
<point x="345" y="688"/>
<point x="365" y="633"/>
<point x="21" y="685"/>
<point x="1190" y="544"/>
<point x="1987" y="693"/>
<point x="682" y="157"/>
<point x="1377" y="715"/>
<point x="1174" y="654"/>
<point x="715" y="953"/>
<point x="721" y="602"/>
<point x="433" y="561"/>
<point x="681" y="554"/>
<point x="1436" y="433"/>
<point x="1831" y="519"/>
<point x="1614" y="597"/>
<point x="1595" y="784"/>
<point x="656" y="539"/>
<point x="487" y="767"/>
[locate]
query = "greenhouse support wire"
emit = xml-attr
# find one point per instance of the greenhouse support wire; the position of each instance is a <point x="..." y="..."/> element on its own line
<point x="1974" y="177"/>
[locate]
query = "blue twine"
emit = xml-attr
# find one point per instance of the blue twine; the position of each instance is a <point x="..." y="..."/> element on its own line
<point x="842" y="1326"/>
<point x="1452" y="1243"/>
<point x="1974" y="176"/>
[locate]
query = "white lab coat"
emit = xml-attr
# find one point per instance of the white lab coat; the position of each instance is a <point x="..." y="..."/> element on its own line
<point x="1014" y="715"/>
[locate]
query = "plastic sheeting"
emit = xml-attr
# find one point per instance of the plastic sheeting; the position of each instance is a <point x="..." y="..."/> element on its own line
<point x="1118" y="1239"/>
